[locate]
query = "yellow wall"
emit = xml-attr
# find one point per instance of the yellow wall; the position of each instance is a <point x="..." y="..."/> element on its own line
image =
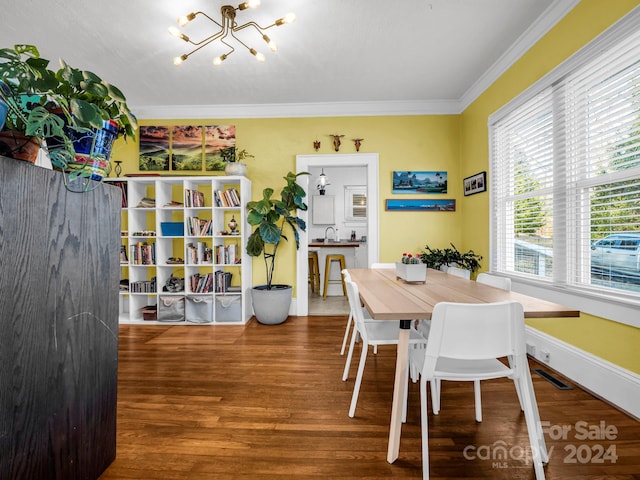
<point x="402" y="142"/>
<point x="455" y="143"/>
<point x="612" y="341"/>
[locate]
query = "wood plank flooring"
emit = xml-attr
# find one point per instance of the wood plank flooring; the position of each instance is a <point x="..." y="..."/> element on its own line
<point x="268" y="402"/>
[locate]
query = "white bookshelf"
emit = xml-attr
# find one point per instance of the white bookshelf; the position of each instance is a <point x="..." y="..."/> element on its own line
<point x="173" y="249"/>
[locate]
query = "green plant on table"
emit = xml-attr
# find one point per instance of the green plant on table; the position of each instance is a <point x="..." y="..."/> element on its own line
<point x="435" y="258"/>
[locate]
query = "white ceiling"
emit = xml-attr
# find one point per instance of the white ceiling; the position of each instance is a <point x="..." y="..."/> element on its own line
<point x="341" y="57"/>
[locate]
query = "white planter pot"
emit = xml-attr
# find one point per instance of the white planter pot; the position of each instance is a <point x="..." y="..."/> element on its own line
<point x="411" y="272"/>
<point x="235" y="168"/>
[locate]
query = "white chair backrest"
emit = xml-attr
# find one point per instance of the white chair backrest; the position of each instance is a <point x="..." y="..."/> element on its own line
<point x="383" y="265"/>
<point x="475" y="331"/>
<point x="346" y="275"/>
<point x="459" y="272"/>
<point x="503" y="283"/>
<point x="354" y="304"/>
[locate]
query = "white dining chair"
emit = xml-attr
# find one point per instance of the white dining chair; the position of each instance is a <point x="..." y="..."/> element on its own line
<point x="459" y="272"/>
<point x="373" y="332"/>
<point x="348" y="328"/>
<point x="503" y="283"/>
<point x="465" y="343"/>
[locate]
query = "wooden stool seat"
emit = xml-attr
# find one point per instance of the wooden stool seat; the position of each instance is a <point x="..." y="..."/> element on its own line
<point x="314" y="271"/>
<point x="327" y="270"/>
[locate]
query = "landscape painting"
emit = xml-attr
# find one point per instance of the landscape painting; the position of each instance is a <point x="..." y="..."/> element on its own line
<point x="421" y="205"/>
<point x="419" y="182"/>
<point x="186" y="148"/>
<point x="154" y="148"/>
<point x="216" y="139"/>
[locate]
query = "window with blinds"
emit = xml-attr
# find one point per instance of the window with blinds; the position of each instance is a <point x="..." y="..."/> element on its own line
<point x="565" y="172"/>
<point x="355" y="207"/>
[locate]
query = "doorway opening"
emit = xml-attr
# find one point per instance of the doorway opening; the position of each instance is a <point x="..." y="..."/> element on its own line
<point x="306" y="163"/>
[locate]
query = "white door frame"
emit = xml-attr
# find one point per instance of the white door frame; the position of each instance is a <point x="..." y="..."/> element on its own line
<point x="303" y="163"/>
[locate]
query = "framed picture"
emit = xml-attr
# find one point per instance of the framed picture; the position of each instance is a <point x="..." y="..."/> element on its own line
<point x="419" y="182"/>
<point x="154" y="148"/>
<point x="475" y="183"/>
<point x="420" y="205"/>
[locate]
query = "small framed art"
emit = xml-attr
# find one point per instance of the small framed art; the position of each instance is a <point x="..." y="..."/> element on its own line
<point x="475" y="183"/>
<point x="420" y="205"/>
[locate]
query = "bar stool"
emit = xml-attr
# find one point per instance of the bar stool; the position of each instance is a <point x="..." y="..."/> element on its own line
<point x="327" y="270"/>
<point x="314" y="271"/>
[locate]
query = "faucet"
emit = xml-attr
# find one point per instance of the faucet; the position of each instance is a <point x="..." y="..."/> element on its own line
<point x="325" y="233"/>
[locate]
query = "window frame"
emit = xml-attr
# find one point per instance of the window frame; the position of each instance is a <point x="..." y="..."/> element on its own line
<point x="616" y="306"/>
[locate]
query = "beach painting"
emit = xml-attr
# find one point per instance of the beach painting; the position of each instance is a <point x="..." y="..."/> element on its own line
<point x="216" y="139"/>
<point x="419" y="182"/>
<point x="420" y="205"/>
<point x="154" y="148"/>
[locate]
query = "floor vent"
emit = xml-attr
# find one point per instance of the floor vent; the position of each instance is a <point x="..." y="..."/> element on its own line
<point x="553" y="380"/>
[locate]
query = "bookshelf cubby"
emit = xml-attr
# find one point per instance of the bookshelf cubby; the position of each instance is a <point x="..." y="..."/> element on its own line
<point x="177" y="228"/>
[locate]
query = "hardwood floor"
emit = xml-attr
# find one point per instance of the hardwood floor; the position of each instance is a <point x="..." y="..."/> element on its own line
<point x="268" y="402"/>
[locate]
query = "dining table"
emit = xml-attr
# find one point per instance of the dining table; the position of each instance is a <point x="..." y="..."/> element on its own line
<point x="388" y="297"/>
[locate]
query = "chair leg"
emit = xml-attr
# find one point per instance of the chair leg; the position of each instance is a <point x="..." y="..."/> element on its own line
<point x="424" y="427"/>
<point x="538" y="449"/>
<point x="478" y="400"/>
<point x="435" y="395"/>
<point x="518" y="392"/>
<point x="529" y="393"/>
<point x="347" y="363"/>
<point x="346" y="334"/>
<point x="356" y="387"/>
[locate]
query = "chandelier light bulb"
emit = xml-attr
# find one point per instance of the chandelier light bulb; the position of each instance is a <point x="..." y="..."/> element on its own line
<point x="177" y="61"/>
<point x="288" y="18"/>
<point x="272" y="45"/>
<point x="249" y="4"/>
<point x="259" y="56"/>
<point x="218" y="60"/>
<point x="182" y="21"/>
<point x="174" y="31"/>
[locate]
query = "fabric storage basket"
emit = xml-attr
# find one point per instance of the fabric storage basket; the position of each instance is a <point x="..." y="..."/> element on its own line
<point x="229" y="308"/>
<point x="199" y="309"/>
<point x="171" y="309"/>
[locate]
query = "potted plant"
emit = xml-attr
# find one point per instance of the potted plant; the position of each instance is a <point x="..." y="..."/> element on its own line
<point x="235" y="161"/>
<point x="74" y="113"/>
<point x="272" y="218"/>
<point x="437" y="258"/>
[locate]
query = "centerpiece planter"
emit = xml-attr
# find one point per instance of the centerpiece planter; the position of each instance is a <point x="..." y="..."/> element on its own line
<point x="411" y="272"/>
<point x="93" y="150"/>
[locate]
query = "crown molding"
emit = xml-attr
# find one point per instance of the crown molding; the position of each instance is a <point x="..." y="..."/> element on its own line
<point x="549" y="18"/>
<point x="285" y="110"/>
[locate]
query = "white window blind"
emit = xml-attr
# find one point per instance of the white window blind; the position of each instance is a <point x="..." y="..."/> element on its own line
<point x="565" y="173"/>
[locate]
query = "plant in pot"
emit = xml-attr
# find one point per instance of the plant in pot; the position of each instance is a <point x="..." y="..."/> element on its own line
<point x="272" y="218"/>
<point x="74" y="111"/>
<point x="234" y="161"/>
<point x="437" y="258"/>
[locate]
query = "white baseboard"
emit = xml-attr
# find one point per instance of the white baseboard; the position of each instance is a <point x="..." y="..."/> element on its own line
<point x="612" y="383"/>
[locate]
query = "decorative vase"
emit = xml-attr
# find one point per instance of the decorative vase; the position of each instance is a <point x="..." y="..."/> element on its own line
<point x="93" y="150"/>
<point x="411" y="272"/>
<point x="271" y="307"/>
<point x="235" y="168"/>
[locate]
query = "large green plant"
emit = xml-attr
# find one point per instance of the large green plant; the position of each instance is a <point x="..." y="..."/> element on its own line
<point x="272" y="216"/>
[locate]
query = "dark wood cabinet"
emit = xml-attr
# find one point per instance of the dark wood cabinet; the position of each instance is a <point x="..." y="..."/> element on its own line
<point x="59" y="275"/>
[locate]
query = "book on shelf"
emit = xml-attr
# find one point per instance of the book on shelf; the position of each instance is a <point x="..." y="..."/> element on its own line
<point x="123" y="189"/>
<point x="193" y="198"/>
<point x="142" y="253"/>
<point x="198" y="227"/>
<point x="227" y="198"/>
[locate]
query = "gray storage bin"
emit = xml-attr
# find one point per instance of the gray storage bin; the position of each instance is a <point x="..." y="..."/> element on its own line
<point x="228" y="308"/>
<point x="171" y="309"/>
<point x="199" y="309"/>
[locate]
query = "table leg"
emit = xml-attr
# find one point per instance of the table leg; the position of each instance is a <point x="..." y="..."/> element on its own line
<point x="399" y="387"/>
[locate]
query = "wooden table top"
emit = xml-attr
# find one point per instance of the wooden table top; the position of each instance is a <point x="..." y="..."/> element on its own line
<point x="388" y="298"/>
